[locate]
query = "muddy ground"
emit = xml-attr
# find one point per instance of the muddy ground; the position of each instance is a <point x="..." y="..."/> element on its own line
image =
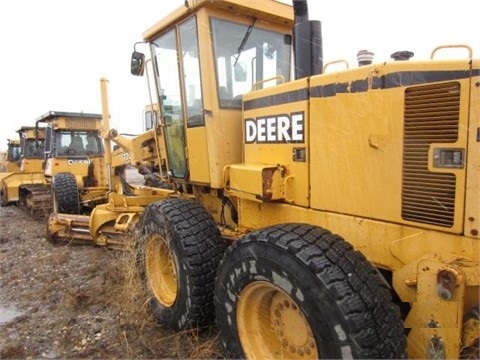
<point x="79" y="301"/>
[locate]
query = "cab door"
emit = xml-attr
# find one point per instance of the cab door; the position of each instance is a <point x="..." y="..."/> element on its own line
<point x="178" y="68"/>
<point x="165" y="49"/>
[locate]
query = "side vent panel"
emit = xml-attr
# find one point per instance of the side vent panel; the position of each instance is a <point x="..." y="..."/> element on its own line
<point x="431" y="116"/>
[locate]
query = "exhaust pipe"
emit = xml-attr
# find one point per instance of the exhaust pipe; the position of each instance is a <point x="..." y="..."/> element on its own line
<point x="300" y="10"/>
<point x="307" y="42"/>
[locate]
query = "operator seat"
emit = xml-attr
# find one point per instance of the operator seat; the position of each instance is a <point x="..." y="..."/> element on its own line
<point x="77" y="144"/>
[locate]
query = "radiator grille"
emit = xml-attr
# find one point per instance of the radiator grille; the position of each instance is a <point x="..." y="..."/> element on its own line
<point x="431" y="116"/>
<point x="83" y="124"/>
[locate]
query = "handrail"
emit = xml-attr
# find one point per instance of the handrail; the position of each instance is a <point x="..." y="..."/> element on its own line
<point x="453" y="46"/>
<point x="278" y="77"/>
<point x="336" y="62"/>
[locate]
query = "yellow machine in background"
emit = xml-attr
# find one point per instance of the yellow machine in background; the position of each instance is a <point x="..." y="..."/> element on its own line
<point x="110" y="217"/>
<point x="307" y="209"/>
<point x="32" y="144"/>
<point x="10" y="164"/>
<point x="26" y="184"/>
<point x="73" y="160"/>
<point x="11" y="158"/>
<point x="80" y="162"/>
<point x="3" y="161"/>
<point x="154" y="169"/>
<point x="69" y="154"/>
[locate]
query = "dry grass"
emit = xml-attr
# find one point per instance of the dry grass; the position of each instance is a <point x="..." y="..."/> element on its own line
<point x="140" y="326"/>
<point x="75" y="299"/>
<point x="83" y="301"/>
<point x="129" y="289"/>
<point x="471" y="351"/>
<point x="197" y="345"/>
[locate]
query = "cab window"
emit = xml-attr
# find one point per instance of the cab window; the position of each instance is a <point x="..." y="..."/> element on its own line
<point x="244" y="56"/>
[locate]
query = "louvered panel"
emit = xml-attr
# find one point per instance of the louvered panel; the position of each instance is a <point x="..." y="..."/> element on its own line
<point x="431" y="116"/>
<point x="82" y="124"/>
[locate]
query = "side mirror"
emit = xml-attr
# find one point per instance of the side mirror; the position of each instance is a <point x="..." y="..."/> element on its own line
<point x="137" y="64"/>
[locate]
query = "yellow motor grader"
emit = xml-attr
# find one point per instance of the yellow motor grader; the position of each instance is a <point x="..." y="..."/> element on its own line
<point x="73" y="157"/>
<point x="314" y="214"/>
<point x="79" y="201"/>
<point x="75" y="160"/>
<point x="25" y="184"/>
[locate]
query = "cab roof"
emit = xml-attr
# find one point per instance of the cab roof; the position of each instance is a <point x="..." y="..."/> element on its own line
<point x="265" y="10"/>
<point x="26" y="128"/>
<point x="56" y="114"/>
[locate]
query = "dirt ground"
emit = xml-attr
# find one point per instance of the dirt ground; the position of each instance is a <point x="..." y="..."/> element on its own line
<point x="79" y="301"/>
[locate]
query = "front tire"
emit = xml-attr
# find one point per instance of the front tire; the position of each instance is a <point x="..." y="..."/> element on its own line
<point x="179" y="251"/>
<point x="66" y="198"/>
<point x="299" y="291"/>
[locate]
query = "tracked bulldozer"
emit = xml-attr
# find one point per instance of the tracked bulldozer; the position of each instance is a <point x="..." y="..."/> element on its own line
<point x="313" y="213"/>
<point x="26" y="185"/>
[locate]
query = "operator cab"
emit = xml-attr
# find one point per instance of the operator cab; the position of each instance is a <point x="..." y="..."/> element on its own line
<point x="72" y="135"/>
<point x="72" y="142"/>
<point x="32" y="142"/>
<point x="205" y="57"/>
<point x="76" y="143"/>
<point x="14" y="152"/>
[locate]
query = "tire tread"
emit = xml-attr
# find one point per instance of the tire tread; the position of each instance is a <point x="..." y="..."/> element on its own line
<point x="365" y="301"/>
<point x="199" y="248"/>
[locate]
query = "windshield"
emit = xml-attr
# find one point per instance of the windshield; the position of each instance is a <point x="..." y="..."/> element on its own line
<point x="33" y="149"/>
<point x="77" y="143"/>
<point x="14" y="152"/>
<point x="245" y="55"/>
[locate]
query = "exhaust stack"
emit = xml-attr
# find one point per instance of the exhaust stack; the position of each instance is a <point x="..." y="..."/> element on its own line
<point x="307" y="42"/>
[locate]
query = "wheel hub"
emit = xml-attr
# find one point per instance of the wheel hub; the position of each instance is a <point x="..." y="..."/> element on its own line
<point x="271" y="325"/>
<point x="290" y="326"/>
<point x="161" y="271"/>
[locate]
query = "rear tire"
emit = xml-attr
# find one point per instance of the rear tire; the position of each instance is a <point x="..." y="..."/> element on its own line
<point x="299" y="291"/>
<point x="179" y="251"/>
<point x="66" y="198"/>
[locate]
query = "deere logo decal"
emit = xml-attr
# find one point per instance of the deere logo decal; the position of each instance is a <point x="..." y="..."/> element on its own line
<point x="276" y="129"/>
<point x="78" y="161"/>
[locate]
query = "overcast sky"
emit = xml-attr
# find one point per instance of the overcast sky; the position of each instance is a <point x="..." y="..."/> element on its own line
<point x="54" y="52"/>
